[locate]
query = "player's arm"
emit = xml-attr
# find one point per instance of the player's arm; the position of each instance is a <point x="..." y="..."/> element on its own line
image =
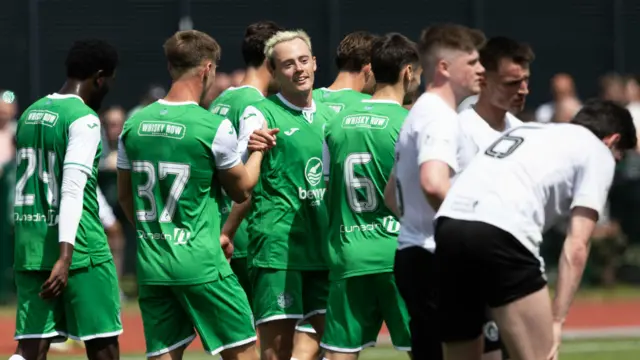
<point x="236" y="178"/>
<point x="251" y="120"/>
<point x="437" y="158"/>
<point x="326" y="160"/>
<point x="84" y="138"/>
<point x="592" y="185"/>
<point x="390" y="194"/>
<point x="125" y="191"/>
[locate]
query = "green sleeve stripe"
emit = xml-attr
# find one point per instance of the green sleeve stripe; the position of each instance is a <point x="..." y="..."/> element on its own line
<point x="77" y="164"/>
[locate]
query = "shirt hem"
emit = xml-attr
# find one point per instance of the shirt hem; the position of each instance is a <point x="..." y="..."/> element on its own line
<point x="335" y="277"/>
<point x="199" y="281"/>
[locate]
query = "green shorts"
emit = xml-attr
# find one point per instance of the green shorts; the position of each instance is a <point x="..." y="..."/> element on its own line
<point x="88" y="308"/>
<point x="356" y="309"/>
<point x="288" y="294"/>
<point x="218" y="310"/>
<point x="240" y="267"/>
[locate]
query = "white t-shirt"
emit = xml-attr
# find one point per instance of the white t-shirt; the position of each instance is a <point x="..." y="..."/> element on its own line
<point x="479" y="132"/>
<point x="532" y="180"/>
<point x="430" y="132"/>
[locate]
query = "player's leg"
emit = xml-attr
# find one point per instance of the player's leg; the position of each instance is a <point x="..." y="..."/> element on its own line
<point x="306" y="342"/>
<point x="277" y="307"/>
<point x="394" y="311"/>
<point x="38" y="322"/>
<point x="461" y="288"/>
<point x="315" y="292"/>
<point x="92" y="310"/>
<point x="419" y="297"/>
<point x="492" y="342"/>
<point x="519" y="298"/>
<point x="353" y="318"/>
<point x="167" y="327"/>
<point x="221" y="314"/>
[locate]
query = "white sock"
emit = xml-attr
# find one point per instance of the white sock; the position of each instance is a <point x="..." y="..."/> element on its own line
<point x="16" y="357"/>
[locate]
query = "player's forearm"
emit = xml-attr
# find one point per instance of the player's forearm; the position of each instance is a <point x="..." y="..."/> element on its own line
<point x="435" y="194"/>
<point x="572" y="263"/>
<point x="126" y="203"/>
<point x="253" y="169"/>
<point x="237" y="214"/>
<point x="390" y="196"/>
<point x="435" y="182"/>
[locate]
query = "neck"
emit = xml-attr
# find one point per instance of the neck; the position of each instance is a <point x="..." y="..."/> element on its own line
<point x="491" y="114"/>
<point x="393" y="92"/>
<point x="445" y="91"/>
<point x="183" y="90"/>
<point x="256" y="78"/>
<point x="75" y="87"/>
<point x="348" y="80"/>
<point x="299" y="99"/>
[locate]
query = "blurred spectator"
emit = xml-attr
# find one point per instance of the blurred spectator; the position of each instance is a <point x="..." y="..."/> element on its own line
<point x="612" y="87"/>
<point x="562" y="87"/>
<point x="8" y="112"/>
<point x="154" y="93"/>
<point x="112" y="121"/>
<point x="236" y="77"/>
<point x="222" y="83"/>
<point x="565" y="109"/>
<point x="632" y="90"/>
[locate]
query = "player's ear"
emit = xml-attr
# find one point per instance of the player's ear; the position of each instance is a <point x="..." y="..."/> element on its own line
<point x="315" y="64"/>
<point x="612" y="140"/>
<point x="442" y="66"/>
<point x="98" y="78"/>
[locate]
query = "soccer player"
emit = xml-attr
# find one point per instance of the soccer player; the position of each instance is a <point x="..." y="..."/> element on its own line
<point x="362" y="230"/>
<point x="288" y="220"/>
<point x="489" y="229"/>
<point x="65" y="275"/>
<point x="173" y="153"/>
<point x="431" y="139"/>
<point x="355" y="80"/>
<point x="231" y="104"/>
<point x="503" y="91"/>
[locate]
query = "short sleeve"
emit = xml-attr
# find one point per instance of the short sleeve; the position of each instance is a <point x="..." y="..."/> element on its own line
<point x="84" y="138"/>
<point x="593" y="180"/>
<point x="225" y="145"/>
<point x="326" y="159"/>
<point x="123" y="160"/>
<point x="438" y="140"/>
<point x="250" y="120"/>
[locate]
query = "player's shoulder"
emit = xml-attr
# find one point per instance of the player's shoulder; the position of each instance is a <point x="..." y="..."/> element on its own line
<point x="431" y="108"/>
<point x="318" y="94"/>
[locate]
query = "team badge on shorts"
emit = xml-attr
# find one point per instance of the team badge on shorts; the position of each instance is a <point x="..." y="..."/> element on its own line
<point x="490" y="331"/>
<point x="285" y="300"/>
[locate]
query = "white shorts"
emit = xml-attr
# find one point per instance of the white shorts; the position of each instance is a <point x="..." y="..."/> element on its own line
<point x="105" y="211"/>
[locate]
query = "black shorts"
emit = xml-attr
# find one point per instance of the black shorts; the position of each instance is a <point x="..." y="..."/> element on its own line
<point x="416" y="278"/>
<point x="479" y="265"/>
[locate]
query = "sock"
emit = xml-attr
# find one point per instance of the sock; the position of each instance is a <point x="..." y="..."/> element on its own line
<point x="17" y="357"/>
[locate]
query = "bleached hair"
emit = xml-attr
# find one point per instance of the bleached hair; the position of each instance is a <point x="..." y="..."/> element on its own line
<point x="283" y="36"/>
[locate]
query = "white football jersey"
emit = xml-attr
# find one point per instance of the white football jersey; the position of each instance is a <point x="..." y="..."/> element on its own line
<point x="430" y="132"/>
<point x="530" y="178"/>
<point x="478" y="131"/>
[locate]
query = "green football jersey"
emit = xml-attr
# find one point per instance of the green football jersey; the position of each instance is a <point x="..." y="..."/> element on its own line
<point x="42" y="139"/>
<point x="362" y="231"/>
<point x="338" y="100"/>
<point x="230" y="104"/>
<point x="288" y="220"/>
<point x="171" y="151"/>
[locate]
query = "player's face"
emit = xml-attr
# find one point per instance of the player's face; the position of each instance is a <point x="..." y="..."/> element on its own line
<point x="465" y="73"/>
<point x="294" y="66"/>
<point x="508" y="87"/>
<point x="412" y="77"/>
<point x="612" y="143"/>
<point x="101" y="86"/>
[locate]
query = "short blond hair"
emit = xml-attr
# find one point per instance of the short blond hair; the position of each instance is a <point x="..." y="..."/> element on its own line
<point x="284" y="36"/>
<point x="186" y="50"/>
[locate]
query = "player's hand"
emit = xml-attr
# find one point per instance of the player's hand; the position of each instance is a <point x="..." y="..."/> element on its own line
<point x="557" y="339"/>
<point x="227" y="246"/>
<point x="262" y="140"/>
<point x="57" y="281"/>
